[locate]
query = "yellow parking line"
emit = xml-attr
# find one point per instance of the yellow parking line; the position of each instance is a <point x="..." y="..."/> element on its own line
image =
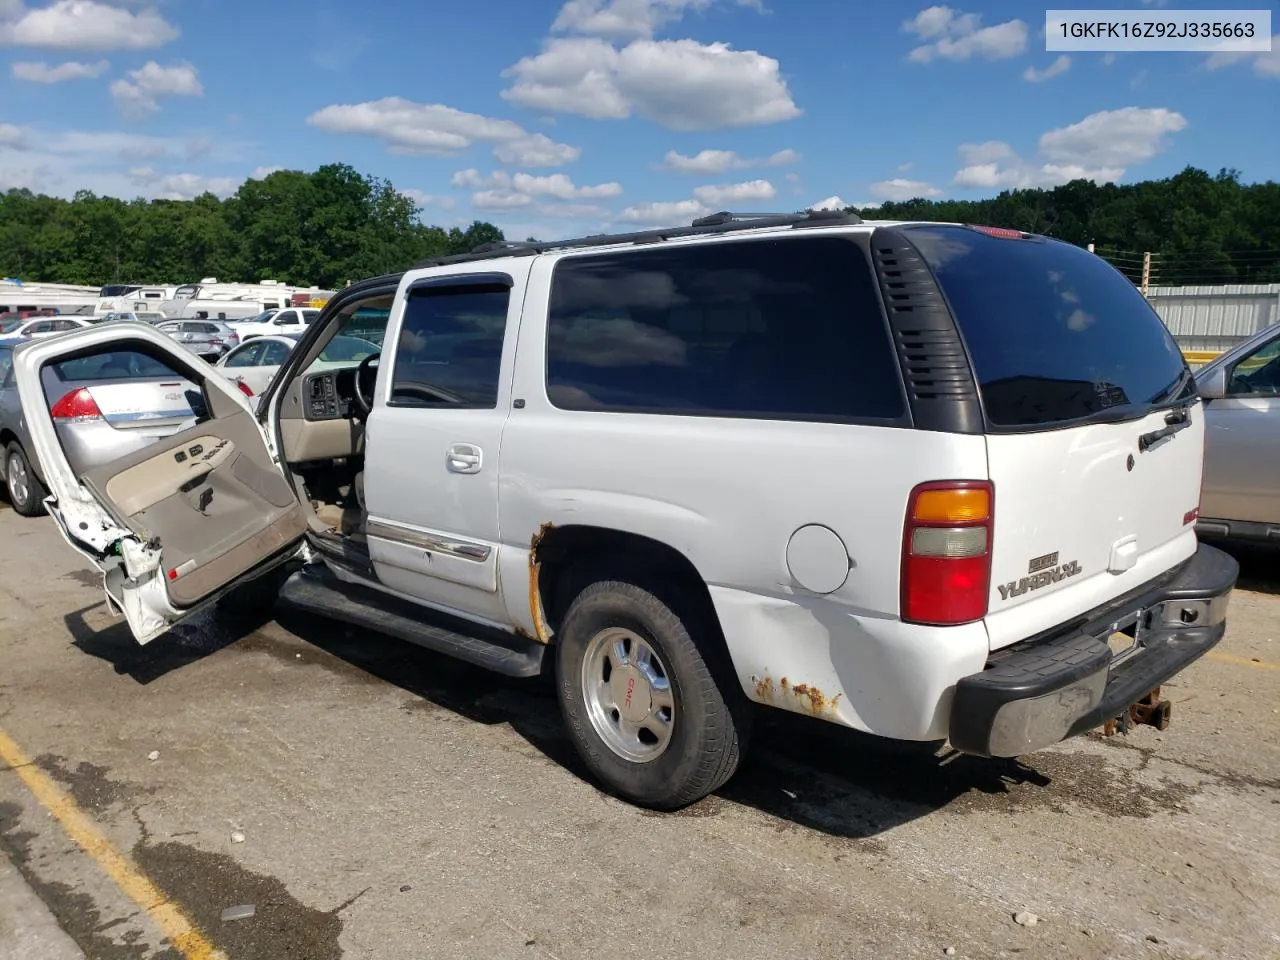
<point x="1241" y="661"/>
<point x="182" y="934"/>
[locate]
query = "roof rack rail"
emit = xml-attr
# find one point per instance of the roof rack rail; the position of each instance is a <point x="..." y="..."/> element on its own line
<point x="722" y="222"/>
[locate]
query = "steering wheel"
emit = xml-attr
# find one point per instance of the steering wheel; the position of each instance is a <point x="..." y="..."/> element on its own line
<point x="365" y="380"/>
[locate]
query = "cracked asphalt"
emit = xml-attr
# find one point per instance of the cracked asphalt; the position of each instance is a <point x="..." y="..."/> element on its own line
<point x="396" y="805"/>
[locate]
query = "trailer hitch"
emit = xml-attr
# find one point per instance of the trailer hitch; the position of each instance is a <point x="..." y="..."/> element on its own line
<point x="1150" y="710"/>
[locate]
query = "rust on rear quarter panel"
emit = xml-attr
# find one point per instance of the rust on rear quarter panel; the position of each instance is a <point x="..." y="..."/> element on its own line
<point x="541" y="629"/>
<point x="799" y="698"/>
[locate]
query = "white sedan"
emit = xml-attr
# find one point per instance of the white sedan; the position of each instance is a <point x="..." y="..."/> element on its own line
<point x="36" y="328"/>
<point x="254" y="363"/>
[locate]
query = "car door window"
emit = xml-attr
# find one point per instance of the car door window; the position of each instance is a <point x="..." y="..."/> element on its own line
<point x="1257" y="374"/>
<point x="43" y="326"/>
<point x="450" y="348"/>
<point x="245" y="356"/>
<point x="273" y="354"/>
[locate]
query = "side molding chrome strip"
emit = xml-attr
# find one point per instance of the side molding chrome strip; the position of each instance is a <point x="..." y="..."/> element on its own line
<point x="432" y="543"/>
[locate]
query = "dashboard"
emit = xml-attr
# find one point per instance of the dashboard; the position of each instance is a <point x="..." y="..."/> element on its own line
<point x="329" y="395"/>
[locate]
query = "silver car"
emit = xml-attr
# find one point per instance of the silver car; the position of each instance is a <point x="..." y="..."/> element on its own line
<point x="1240" y="497"/>
<point x="209" y="339"/>
<point x="103" y="407"/>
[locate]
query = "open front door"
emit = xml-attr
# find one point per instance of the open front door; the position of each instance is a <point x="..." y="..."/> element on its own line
<point x="157" y="470"/>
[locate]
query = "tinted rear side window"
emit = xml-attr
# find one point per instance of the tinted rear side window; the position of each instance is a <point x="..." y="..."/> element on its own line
<point x="1055" y="333"/>
<point x="778" y="329"/>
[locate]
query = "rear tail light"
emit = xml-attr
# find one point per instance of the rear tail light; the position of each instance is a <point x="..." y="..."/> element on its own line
<point x="244" y="388"/>
<point x="76" y="405"/>
<point x="946" y="552"/>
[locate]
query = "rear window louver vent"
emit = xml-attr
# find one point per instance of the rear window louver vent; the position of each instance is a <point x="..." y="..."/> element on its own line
<point x="935" y="367"/>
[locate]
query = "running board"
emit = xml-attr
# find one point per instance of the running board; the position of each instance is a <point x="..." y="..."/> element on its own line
<point x="320" y="592"/>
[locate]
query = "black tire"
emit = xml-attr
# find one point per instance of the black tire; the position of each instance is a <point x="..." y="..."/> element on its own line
<point x="711" y="720"/>
<point x="32" y="504"/>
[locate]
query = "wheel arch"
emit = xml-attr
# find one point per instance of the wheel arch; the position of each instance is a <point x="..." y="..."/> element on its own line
<point x="563" y="560"/>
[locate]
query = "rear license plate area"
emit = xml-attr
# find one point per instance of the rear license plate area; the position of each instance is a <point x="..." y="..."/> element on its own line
<point x="1124" y="637"/>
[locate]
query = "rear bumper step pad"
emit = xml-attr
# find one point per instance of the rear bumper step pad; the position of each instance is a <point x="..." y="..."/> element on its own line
<point x="1034" y="695"/>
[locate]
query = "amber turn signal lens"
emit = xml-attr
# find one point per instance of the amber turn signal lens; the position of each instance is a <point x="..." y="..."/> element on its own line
<point x="956" y="505"/>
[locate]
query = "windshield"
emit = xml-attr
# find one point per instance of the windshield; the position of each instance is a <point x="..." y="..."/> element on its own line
<point x="1055" y="333"/>
<point x="263" y="317"/>
<point x="359" y="335"/>
<point x="347" y="350"/>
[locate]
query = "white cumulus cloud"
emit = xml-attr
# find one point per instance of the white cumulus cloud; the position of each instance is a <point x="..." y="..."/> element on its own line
<point x="626" y="19"/>
<point x="139" y="96"/>
<point x="1265" y="64"/>
<point x="500" y="200"/>
<point x="432" y="129"/>
<point x="830" y="203"/>
<point x="1099" y="148"/>
<point x="558" y="185"/>
<point x="679" y="84"/>
<point x="535" y="150"/>
<point x="40" y="72"/>
<point x="667" y="213"/>
<point x="900" y="188"/>
<point x="182" y="186"/>
<point x="424" y="199"/>
<point x="727" y="194"/>
<point x="84" y="25"/>
<point x="1056" y="69"/>
<point x="721" y="161"/>
<point x="952" y="35"/>
<point x="1113" y="137"/>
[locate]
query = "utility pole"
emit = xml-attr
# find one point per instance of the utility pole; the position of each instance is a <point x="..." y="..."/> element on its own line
<point x="1146" y="273"/>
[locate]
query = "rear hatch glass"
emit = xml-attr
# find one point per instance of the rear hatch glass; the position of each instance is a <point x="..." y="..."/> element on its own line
<point x="1055" y="333"/>
<point x="1075" y="369"/>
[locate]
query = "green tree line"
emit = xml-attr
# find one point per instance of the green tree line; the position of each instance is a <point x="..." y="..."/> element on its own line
<point x="1201" y="229"/>
<point x="323" y="228"/>
<point x="334" y="224"/>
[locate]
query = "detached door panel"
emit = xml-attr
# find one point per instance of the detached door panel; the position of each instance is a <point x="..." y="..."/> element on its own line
<point x="173" y="523"/>
<point x="211" y="498"/>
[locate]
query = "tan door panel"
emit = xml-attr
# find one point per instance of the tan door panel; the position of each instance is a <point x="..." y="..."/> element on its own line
<point x="147" y="483"/>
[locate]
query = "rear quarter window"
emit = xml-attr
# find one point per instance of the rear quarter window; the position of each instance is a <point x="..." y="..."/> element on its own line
<point x="769" y="329"/>
<point x="1054" y="333"/>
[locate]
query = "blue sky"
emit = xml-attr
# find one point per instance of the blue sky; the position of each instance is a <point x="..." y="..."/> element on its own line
<point x="550" y="117"/>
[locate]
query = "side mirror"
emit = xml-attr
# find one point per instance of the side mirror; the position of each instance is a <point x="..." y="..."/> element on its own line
<point x="1213" y="386"/>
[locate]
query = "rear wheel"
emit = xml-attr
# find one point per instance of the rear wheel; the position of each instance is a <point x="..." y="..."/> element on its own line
<point x="641" y="701"/>
<point x="26" y="492"/>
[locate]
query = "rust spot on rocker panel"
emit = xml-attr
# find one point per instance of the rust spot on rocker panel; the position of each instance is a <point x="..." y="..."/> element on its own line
<point x="542" y="629"/>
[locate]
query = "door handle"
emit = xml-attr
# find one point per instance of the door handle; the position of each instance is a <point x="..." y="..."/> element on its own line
<point x="465" y="458"/>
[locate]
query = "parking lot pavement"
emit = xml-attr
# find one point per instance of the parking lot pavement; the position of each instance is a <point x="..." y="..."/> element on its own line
<point x="371" y="800"/>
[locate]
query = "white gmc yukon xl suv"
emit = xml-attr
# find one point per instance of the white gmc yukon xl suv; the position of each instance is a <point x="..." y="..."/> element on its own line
<point x="930" y="481"/>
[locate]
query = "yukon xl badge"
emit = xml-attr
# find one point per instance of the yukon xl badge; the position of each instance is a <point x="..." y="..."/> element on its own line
<point x="1042" y="572"/>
